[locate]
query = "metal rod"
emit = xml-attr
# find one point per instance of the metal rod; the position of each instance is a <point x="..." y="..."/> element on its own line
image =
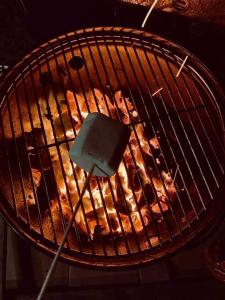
<point x="158" y="171"/>
<point x="173" y="127"/>
<point x="162" y="128"/>
<point x="37" y="152"/>
<point x="84" y="89"/>
<point x="53" y="264"/>
<point x="108" y="110"/>
<point x="74" y="131"/>
<point x="45" y="95"/>
<point x="20" y="119"/>
<point x="18" y="161"/>
<point x="189" y="141"/>
<point x="133" y="101"/>
<point x="149" y="12"/>
<point x="191" y="92"/>
<point x="156" y="92"/>
<point x="132" y="127"/>
<point x="97" y="106"/>
<point x="181" y="67"/>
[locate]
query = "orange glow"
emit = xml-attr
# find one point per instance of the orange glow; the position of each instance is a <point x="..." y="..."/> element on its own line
<point x="126" y="191"/>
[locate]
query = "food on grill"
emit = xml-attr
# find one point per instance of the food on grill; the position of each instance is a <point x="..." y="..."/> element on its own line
<point x="101" y="142"/>
<point x="143" y="187"/>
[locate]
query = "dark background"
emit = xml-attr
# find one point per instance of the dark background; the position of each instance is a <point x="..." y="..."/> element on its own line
<point x="24" y="26"/>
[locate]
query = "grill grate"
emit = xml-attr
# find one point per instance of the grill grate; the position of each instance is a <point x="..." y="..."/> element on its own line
<point x="175" y="115"/>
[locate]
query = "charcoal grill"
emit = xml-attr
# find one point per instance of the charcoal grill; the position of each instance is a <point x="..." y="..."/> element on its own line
<point x="177" y="101"/>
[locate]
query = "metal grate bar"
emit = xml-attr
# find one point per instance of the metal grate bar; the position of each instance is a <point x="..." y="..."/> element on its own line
<point x="132" y="125"/>
<point x="121" y="188"/>
<point x="159" y="173"/>
<point x="75" y="134"/>
<point x="131" y="96"/>
<point x="91" y="197"/>
<point x="175" y="133"/>
<point x="38" y="154"/>
<point x="205" y="134"/>
<point x="97" y="180"/>
<point x="30" y="172"/>
<point x="19" y="162"/>
<point x="109" y="182"/>
<point x="44" y="133"/>
<point x="165" y="132"/>
<point x="134" y="195"/>
<point x="194" y="131"/>
<point x="209" y="120"/>
<point x="67" y="145"/>
<point x="168" y="142"/>
<point x="94" y="96"/>
<point x="172" y="167"/>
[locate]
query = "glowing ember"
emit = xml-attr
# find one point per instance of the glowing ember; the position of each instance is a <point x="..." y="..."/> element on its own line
<point x="133" y="194"/>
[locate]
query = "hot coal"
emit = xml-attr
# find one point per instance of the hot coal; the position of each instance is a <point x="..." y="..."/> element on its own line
<point x="33" y="140"/>
<point x="123" y="206"/>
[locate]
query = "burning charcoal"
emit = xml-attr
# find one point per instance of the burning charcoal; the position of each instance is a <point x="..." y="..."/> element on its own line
<point x="113" y="221"/>
<point x="36" y="174"/>
<point x="104" y="103"/>
<point x="156" y="208"/>
<point x="99" y="212"/>
<point x="172" y="193"/>
<point x="36" y="139"/>
<point x="145" y="214"/>
<point x="126" y="223"/>
<point x="167" y="177"/>
<point x="101" y="141"/>
<point x="121" y="100"/>
<point x="93" y="183"/>
<point x="109" y="201"/>
<point x="154" y="240"/>
<point x="161" y="162"/>
<point x="64" y="125"/>
<point x="123" y="206"/>
<point x="30" y="199"/>
<point x="125" y="108"/>
<point x="154" y="143"/>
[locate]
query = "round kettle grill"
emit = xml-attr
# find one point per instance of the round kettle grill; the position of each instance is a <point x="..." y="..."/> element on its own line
<point x="174" y="108"/>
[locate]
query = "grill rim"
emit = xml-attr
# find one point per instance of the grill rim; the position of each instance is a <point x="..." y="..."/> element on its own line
<point x="140" y="258"/>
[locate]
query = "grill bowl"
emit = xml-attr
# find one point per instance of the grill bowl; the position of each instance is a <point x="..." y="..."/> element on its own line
<point x="139" y="63"/>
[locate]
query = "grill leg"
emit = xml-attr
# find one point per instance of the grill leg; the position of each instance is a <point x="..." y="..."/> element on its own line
<point x="3" y="253"/>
